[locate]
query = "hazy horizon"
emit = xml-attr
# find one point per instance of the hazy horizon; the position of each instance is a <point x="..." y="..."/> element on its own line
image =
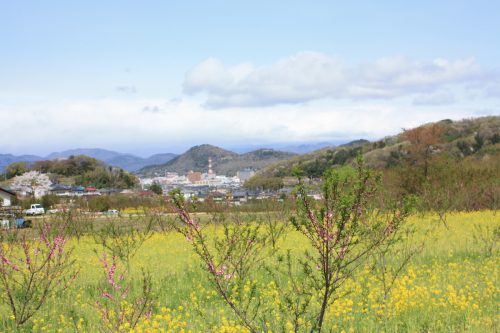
<point x="149" y="151"/>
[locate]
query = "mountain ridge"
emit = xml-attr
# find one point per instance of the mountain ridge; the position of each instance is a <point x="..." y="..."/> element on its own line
<point x="463" y="138"/>
<point x="224" y="161"/>
<point x="126" y="161"/>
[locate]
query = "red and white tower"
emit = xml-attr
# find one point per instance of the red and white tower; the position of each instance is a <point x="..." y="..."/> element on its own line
<point x="211" y="173"/>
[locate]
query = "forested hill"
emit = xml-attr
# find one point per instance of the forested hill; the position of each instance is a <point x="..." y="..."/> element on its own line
<point x="224" y="161"/>
<point x="77" y="170"/>
<point x="471" y="139"/>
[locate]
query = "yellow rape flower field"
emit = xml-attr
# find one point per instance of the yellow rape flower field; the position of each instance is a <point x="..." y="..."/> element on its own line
<point x="452" y="285"/>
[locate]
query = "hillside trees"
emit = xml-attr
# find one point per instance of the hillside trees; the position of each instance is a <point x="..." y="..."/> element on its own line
<point x="453" y="183"/>
<point x="423" y="141"/>
<point x="102" y="177"/>
<point x="85" y="171"/>
<point x="444" y="180"/>
<point x="414" y="167"/>
<point x="260" y="182"/>
<point x="16" y="169"/>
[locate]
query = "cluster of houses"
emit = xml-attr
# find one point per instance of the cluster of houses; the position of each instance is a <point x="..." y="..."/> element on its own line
<point x="218" y="188"/>
<point x="62" y="190"/>
<point x="240" y="196"/>
<point x="236" y="196"/>
<point x="209" y="186"/>
<point x="191" y="179"/>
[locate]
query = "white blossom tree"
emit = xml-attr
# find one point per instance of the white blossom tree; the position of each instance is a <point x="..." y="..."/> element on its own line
<point x="32" y="183"/>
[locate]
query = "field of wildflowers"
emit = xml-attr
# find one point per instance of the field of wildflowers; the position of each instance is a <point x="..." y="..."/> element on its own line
<point x="451" y="285"/>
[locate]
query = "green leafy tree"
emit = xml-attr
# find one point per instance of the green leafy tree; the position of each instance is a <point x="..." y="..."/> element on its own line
<point x="49" y="200"/>
<point x="16" y="169"/>
<point x="156" y="188"/>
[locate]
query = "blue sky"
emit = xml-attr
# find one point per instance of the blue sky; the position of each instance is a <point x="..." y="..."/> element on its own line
<point x="159" y="76"/>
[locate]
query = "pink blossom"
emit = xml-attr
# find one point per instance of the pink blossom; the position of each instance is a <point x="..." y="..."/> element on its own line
<point x="107" y="295"/>
<point x="148" y="314"/>
<point x="9" y="263"/>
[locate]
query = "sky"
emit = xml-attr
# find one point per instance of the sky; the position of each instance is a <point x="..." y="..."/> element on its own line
<point x="147" y="76"/>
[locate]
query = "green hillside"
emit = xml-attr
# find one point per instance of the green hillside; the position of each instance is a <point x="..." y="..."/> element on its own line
<point x="469" y="139"/>
<point x="224" y="161"/>
<point x="77" y="170"/>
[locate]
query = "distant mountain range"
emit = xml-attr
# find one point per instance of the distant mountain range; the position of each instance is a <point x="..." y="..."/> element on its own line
<point x="133" y="163"/>
<point x="127" y="162"/>
<point x="7" y="159"/>
<point x="307" y="147"/>
<point x="460" y="137"/>
<point x="295" y="147"/>
<point x="196" y="159"/>
<point x="224" y="161"/>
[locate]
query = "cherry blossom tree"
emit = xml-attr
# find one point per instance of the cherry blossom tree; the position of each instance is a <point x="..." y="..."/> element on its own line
<point x="33" y="183"/>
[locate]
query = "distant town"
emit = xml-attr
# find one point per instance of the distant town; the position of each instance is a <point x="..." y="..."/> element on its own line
<point x="200" y="184"/>
<point x="193" y="185"/>
<point x="74" y="174"/>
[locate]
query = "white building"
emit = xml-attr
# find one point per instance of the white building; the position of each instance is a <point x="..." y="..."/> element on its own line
<point x="6" y="197"/>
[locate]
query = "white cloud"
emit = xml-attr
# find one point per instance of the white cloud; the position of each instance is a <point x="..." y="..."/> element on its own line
<point x="309" y="76"/>
<point x="382" y="92"/>
<point x="304" y="77"/>
<point x="123" y="125"/>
